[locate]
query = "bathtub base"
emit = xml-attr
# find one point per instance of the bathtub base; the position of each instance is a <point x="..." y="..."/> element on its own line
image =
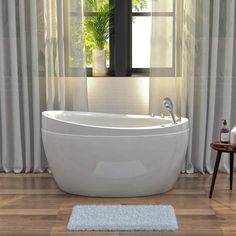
<point x="116" y="166"/>
<point x="114" y="194"/>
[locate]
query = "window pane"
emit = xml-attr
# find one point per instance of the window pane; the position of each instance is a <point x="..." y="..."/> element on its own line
<point x="141" y="5"/>
<point x="155" y="6"/>
<point x="91" y="8"/>
<point x="163" y="6"/>
<point x="162" y="35"/>
<point x="141" y="42"/>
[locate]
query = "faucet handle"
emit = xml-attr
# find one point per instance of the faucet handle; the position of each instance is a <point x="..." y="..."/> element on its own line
<point x="168" y="104"/>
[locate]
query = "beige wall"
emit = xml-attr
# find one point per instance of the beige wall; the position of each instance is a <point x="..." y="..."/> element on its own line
<point x="128" y="95"/>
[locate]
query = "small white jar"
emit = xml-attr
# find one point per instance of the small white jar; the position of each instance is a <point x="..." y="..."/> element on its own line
<point x="233" y="136"/>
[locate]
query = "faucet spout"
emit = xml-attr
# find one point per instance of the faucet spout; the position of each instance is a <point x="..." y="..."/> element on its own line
<point x="168" y="104"/>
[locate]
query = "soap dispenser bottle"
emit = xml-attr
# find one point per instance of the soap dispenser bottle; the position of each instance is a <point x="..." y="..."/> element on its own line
<point x="224" y="133"/>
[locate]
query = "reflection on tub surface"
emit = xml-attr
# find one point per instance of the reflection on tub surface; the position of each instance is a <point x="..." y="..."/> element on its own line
<point x="119" y="170"/>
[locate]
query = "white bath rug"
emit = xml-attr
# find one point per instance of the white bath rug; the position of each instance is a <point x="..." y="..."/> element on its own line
<point x="123" y="218"/>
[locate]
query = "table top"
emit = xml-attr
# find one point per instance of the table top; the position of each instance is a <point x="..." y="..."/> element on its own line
<point x="223" y="147"/>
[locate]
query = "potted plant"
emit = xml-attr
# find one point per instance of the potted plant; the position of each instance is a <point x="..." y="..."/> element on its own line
<point x="97" y="26"/>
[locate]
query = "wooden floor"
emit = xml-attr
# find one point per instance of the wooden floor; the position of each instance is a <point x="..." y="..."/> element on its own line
<point x="31" y="204"/>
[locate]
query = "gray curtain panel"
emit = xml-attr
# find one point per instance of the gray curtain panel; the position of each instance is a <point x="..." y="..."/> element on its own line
<point x="205" y="90"/>
<point x="210" y="77"/>
<point x="35" y="75"/>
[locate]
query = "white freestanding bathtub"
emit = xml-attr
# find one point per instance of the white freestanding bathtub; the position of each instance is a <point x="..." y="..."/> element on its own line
<point x="109" y="155"/>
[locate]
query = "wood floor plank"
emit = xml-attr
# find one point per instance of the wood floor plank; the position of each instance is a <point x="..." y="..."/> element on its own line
<point x="30" y="191"/>
<point x="32" y="204"/>
<point x="31" y="212"/>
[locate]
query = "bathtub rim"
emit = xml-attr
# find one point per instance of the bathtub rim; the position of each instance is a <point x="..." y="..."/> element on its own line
<point x="184" y="120"/>
<point x="114" y="136"/>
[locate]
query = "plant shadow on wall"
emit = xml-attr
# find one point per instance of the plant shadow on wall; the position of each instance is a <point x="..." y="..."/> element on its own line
<point x="97" y="25"/>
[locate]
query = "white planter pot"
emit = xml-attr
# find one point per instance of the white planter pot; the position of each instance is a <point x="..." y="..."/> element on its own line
<point x="99" y="62"/>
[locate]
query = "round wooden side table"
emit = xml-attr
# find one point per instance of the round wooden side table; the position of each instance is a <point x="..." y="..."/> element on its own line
<point x="222" y="147"/>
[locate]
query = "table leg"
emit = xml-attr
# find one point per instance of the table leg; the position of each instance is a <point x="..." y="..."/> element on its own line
<point x="231" y="170"/>
<point x="215" y="172"/>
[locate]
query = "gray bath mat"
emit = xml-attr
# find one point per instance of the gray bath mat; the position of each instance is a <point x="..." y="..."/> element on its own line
<point x="123" y="218"/>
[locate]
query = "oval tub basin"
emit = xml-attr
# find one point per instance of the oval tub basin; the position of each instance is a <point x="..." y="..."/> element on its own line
<point x="110" y="155"/>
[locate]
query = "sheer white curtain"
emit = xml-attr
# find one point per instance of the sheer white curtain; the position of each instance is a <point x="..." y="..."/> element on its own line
<point x="38" y="48"/>
<point x="205" y="90"/>
<point x="165" y="74"/>
<point x="210" y="49"/>
<point x="63" y="50"/>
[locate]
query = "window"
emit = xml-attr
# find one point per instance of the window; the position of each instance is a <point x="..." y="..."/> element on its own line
<point x="141" y="19"/>
<point x="129" y="41"/>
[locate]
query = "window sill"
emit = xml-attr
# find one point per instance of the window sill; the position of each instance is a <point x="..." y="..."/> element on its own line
<point x="116" y="78"/>
<point x="110" y="76"/>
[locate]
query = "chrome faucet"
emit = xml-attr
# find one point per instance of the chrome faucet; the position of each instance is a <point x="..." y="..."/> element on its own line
<point x="168" y="104"/>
